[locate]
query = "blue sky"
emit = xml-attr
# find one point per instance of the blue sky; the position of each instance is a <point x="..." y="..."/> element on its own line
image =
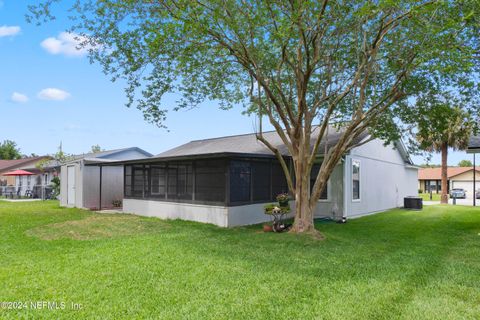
<point x="49" y="93"/>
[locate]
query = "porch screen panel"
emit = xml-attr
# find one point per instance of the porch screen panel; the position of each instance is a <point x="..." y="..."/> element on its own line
<point x="128" y="181"/>
<point x="180" y="181"/>
<point x="172" y="181"/>
<point x="240" y="181"/>
<point x="140" y="180"/>
<point x="210" y="181"/>
<point x="261" y="181"/>
<point x="158" y="181"/>
<point x="185" y="181"/>
<point x="279" y="182"/>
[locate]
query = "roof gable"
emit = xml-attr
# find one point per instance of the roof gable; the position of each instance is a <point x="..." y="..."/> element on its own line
<point x="436" y="173"/>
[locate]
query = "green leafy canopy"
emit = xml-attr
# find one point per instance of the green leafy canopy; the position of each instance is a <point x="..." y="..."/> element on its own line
<point x="367" y="58"/>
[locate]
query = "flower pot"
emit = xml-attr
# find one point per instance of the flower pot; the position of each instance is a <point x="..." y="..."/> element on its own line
<point x="267" y="228"/>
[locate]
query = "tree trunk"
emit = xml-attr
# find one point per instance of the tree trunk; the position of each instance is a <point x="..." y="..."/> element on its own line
<point x="303" y="212"/>
<point x="444" y="197"/>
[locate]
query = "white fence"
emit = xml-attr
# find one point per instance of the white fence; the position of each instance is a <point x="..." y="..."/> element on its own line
<point x="27" y="192"/>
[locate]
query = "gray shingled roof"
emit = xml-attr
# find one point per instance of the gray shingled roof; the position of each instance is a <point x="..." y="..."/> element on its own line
<point x="243" y="144"/>
<point x="97" y="155"/>
<point x="474" y="142"/>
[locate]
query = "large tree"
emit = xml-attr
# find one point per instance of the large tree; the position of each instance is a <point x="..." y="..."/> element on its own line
<point x="9" y="150"/>
<point x="303" y="65"/>
<point x="465" y="163"/>
<point x="442" y="125"/>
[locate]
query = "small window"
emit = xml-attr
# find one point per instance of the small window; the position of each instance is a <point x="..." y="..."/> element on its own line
<point x="355" y="179"/>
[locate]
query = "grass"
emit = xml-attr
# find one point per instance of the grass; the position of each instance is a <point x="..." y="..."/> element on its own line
<point x="426" y="196"/>
<point x="394" y="265"/>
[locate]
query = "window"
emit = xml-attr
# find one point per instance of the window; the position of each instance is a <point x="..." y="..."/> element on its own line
<point x="240" y="179"/>
<point x="313" y="178"/>
<point x="210" y="180"/>
<point x="355" y="179"/>
<point x="261" y="181"/>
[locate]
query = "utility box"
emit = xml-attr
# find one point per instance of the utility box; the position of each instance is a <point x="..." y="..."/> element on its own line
<point x="413" y="203"/>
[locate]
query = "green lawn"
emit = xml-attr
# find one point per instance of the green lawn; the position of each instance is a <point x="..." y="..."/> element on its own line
<point x="426" y="196"/>
<point x="394" y="265"/>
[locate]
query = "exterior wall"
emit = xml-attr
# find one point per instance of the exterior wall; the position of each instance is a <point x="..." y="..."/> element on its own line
<point x="91" y="187"/>
<point x="466" y="176"/>
<point x="217" y="215"/>
<point x="63" y="186"/>
<point x="437" y="184"/>
<point x="333" y="206"/>
<point x="79" y="184"/>
<point x="384" y="179"/>
<point x="170" y="210"/>
<point x="10" y="180"/>
<point x="112" y="185"/>
<point x="87" y="185"/>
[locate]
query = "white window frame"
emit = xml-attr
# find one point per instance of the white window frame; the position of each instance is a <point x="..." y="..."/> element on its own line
<point x="357" y="161"/>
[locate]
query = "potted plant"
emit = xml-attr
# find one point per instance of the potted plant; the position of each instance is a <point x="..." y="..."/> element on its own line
<point x="267" y="228"/>
<point x="278" y="213"/>
<point x="283" y="199"/>
<point x="117" y="203"/>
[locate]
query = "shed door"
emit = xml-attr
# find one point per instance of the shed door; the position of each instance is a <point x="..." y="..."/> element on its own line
<point x="71" y="185"/>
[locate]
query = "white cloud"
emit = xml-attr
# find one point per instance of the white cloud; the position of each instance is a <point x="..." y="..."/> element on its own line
<point x="6" y="31"/>
<point x="53" y="94"/>
<point x="66" y="43"/>
<point x="19" y="97"/>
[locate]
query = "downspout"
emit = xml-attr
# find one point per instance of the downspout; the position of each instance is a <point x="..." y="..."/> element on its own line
<point x="345" y="189"/>
<point x="474" y="182"/>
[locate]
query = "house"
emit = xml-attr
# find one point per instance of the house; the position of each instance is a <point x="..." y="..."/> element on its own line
<point x="430" y="179"/>
<point x="95" y="187"/>
<point x="30" y="184"/>
<point x="227" y="181"/>
<point x="10" y="165"/>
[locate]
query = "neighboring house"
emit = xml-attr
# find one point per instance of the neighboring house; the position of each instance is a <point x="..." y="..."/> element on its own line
<point x="430" y="179"/>
<point x="20" y="185"/>
<point x="95" y="187"/>
<point x="227" y="181"/>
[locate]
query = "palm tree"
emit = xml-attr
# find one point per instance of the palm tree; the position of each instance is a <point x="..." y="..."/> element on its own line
<point x="443" y="125"/>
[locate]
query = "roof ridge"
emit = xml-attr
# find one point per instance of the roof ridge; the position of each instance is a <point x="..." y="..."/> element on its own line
<point x="245" y="134"/>
<point x="232" y="136"/>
